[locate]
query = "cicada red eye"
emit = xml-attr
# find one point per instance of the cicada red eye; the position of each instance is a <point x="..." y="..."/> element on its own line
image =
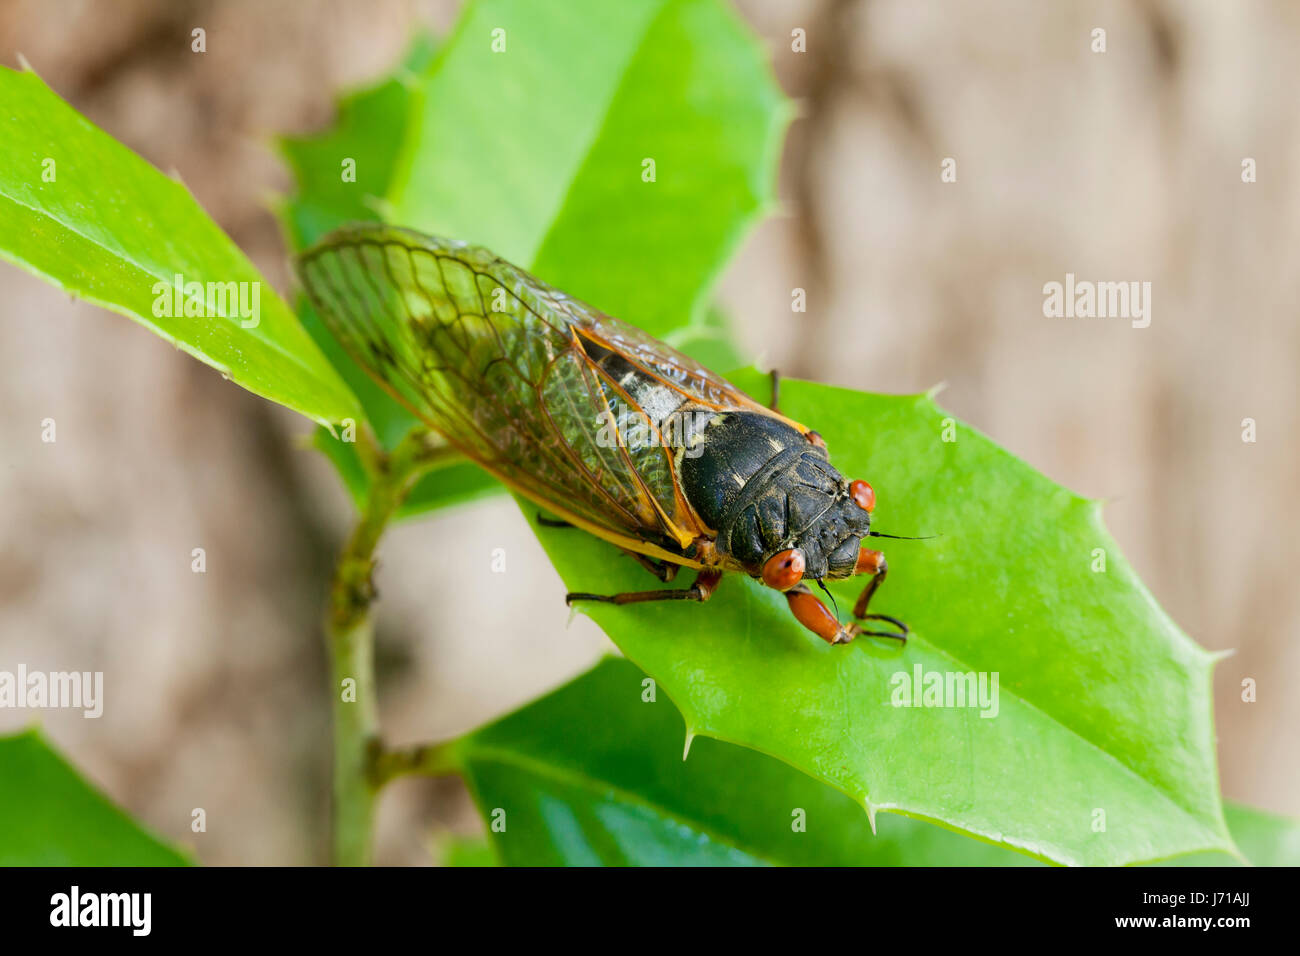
<point x="784" y="569"/>
<point x="863" y="494"/>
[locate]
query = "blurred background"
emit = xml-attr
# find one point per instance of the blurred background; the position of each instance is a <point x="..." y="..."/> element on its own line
<point x="1114" y="166"/>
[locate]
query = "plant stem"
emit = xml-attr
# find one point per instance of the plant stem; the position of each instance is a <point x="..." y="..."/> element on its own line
<point x="425" y="760"/>
<point x="350" y="639"/>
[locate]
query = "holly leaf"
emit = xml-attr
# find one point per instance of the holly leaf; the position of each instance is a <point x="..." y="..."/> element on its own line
<point x="625" y="172"/>
<point x="86" y="214"/>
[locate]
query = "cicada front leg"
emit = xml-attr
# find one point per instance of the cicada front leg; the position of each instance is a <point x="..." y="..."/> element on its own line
<point x="874" y="563"/>
<point x="809" y="610"/>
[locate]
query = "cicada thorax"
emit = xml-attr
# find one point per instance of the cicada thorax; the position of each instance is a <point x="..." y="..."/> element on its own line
<point x="766" y="489"/>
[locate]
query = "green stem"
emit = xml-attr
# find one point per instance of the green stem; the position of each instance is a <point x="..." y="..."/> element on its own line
<point x="425" y="760"/>
<point x="350" y="639"/>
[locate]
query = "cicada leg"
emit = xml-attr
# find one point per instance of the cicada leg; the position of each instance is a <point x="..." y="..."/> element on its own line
<point x="809" y="611"/>
<point x="874" y="563"/>
<point x="816" y="616"/>
<point x="814" y="438"/>
<point x="664" y="570"/>
<point x="706" y="582"/>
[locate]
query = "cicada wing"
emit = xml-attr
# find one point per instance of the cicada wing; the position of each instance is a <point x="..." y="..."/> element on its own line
<point x="486" y="355"/>
<point x="664" y="364"/>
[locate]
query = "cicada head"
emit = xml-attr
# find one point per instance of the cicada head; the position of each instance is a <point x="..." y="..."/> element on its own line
<point x="824" y="524"/>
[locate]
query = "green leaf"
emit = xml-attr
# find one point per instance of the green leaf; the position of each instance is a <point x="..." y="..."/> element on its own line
<point x="541" y="158"/>
<point x="593" y="774"/>
<point x="1104" y="704"/>
<point x="110" y="228"/>
<point x="50" y="816"/>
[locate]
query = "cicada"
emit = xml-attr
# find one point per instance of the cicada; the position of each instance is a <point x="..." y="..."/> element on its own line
<point x="599" y="423"/>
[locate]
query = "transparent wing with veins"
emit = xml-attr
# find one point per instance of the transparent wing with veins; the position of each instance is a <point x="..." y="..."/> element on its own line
<point x="496" y="361"/>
